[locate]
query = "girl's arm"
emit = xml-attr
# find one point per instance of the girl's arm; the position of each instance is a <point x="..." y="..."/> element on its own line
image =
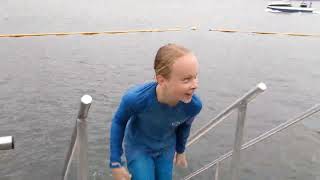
<point x="182" y="134"/>
<point x="118" y="125"/>
<point x="183" y="130"/>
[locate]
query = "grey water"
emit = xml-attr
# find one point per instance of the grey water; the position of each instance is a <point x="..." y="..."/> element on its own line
<point x="43" y="78"/>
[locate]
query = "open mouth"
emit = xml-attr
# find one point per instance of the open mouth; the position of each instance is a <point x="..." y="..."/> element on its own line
<point x="188" y="94"/>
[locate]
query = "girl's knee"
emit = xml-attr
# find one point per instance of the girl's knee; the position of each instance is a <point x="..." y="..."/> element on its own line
<point x="142" y="168"/>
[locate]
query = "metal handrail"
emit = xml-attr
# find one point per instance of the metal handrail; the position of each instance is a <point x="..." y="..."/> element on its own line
<point x="250" y="95"/>
<point x="6" y="143"/>
<point x="260" y="138"/>
<point x="241" y="105"/>
<point x="79" y="140"/>
<point x="217" y="171"/>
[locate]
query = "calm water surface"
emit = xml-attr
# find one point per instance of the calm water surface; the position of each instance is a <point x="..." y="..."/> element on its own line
<point x="43" y="78"/>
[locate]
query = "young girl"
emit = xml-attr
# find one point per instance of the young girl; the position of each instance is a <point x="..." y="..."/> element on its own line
<point x="154" y="118"/>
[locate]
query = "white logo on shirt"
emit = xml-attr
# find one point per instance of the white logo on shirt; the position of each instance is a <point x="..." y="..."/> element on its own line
<point x="177" y="123"/>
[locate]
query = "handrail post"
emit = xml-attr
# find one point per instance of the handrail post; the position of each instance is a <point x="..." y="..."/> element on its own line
<point x="79" y="140"/>
<point x="6" y="143"/>
<point x="70" y="154"/>
<point x="82" y="137"/>
<point x="238" y="141"/>
<point x="216" y="174"/>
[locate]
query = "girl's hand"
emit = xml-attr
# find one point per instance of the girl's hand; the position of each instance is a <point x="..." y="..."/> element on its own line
<point x="120" y="174"/>
<point x="180" y="160"/>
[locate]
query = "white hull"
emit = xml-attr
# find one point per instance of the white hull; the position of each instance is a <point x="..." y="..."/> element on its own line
<point x="290" y="9"/>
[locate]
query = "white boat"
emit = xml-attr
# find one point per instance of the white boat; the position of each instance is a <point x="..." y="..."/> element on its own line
<point x="286" y="6"/>
<point x="290" y="9"/>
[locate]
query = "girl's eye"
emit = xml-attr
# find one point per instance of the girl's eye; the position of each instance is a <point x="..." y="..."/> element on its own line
<point x="186" y="80"/>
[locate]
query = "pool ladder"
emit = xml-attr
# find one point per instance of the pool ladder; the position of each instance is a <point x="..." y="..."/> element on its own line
<point x="79" y="137"/>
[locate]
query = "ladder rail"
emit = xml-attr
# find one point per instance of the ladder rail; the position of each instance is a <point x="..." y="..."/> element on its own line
<point x="311" y="111"/>
<point x="79" y="141"/>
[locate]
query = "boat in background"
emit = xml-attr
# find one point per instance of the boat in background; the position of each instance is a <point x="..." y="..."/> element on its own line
<point x="286" y="6"/>
<point x="291" y="9"/>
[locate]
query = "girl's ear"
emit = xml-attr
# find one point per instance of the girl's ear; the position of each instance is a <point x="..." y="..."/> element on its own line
<point x="160" y="79"/>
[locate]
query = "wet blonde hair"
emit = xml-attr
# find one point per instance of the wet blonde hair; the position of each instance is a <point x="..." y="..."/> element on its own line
<point x="166" y="56"/>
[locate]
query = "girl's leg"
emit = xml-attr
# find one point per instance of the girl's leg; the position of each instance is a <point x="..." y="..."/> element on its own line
<point x="142" y="167"/>
<point x="164" y="165"/>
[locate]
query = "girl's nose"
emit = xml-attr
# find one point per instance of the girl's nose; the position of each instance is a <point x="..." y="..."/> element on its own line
<point x="194" y="83"/>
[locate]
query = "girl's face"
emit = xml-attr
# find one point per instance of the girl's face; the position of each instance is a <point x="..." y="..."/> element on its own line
<point x="183" y="80"/>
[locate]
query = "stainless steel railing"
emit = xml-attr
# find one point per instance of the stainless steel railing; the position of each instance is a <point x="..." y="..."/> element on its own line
<point x="6" y="143"/>
<point x="79" y="141"/>
<point x="256" y="140"/>
<point x="250" y="95"/>
<point x="241" y="106"/>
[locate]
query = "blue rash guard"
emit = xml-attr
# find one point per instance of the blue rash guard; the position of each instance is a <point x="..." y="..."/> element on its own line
<point x="146" y="124"/>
